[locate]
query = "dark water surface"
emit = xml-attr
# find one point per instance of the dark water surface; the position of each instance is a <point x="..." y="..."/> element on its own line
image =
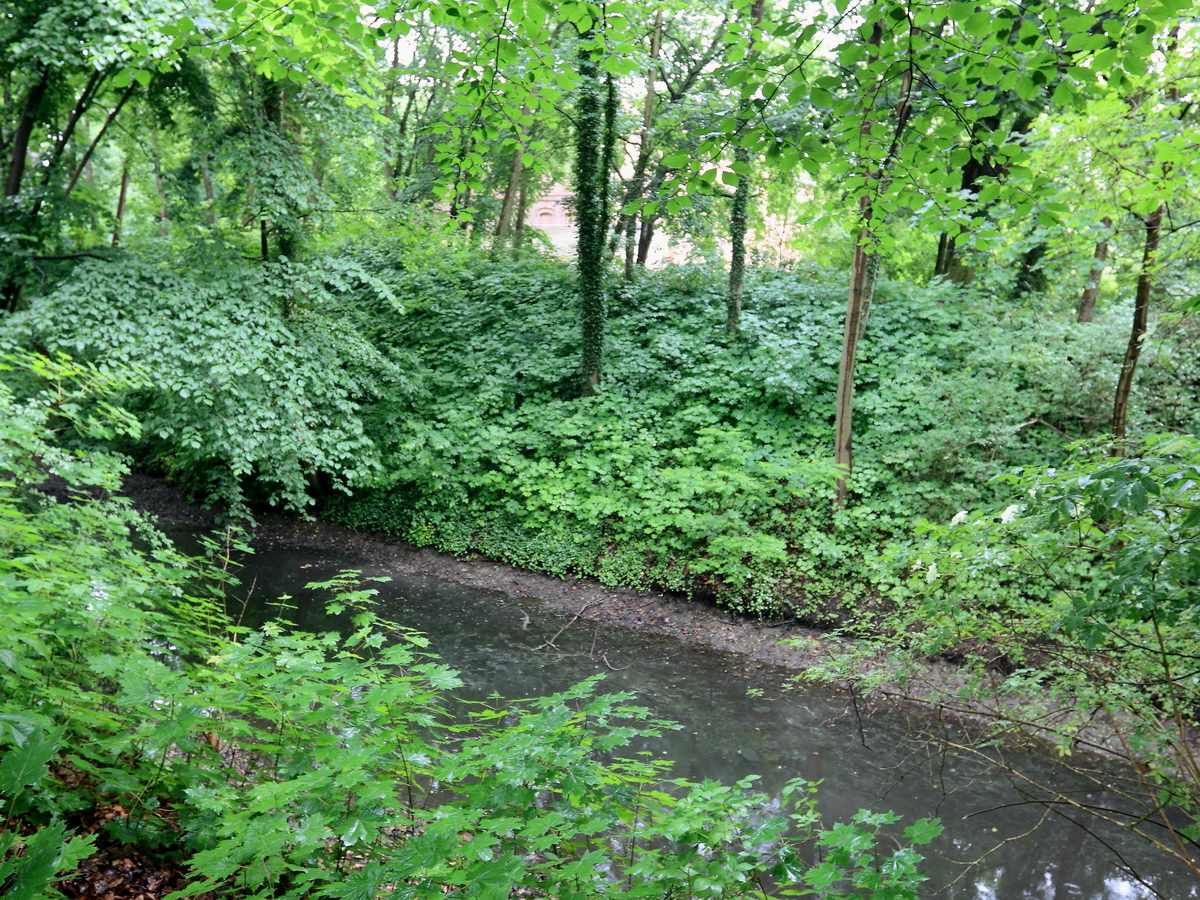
<point x="737" y="720"/>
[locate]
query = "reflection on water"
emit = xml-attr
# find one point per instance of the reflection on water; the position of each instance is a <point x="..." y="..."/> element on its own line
<point x="997" y="844"/>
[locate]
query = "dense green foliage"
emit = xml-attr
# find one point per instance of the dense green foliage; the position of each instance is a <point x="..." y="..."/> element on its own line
<point x="248" y="377"/>
<point x="245" y="244"/>
<point x="283" y="764"/>
<point x="704" y="460"/>
<point x="1073" y="611"/>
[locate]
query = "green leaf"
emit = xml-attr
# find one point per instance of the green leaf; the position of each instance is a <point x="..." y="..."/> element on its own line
<point x="27" y="764"/>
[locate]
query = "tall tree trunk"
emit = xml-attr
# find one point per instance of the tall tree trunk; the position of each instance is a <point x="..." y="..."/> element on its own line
<point x="861" y="279"/>
<point x="873" y="263"/>
<point x="511" y="189"/>
<point x="95" y="142"/>
<point x="589" y="209"/>
<point x="1141" y="316"/>
<point x="121" y="195"/>
<point x="646" y="239"/>
<point x="22" y="134"/>
<point x="1087" y="301"/>
<point x="741" y="203"/>
<point x="645" y="235"/>
<point x="844" y="426"/>
<point x="631" y="232"/>
<point x="627" y="224"/>
<point x="394" y="168"/>
<point x="941" y="265"/>
<point x="948" y="263"/>
<point x="160" y="188"/>
<point x="522" y="212"/>
<point x="1031" y="276"/>
<point x="86" y="96"/>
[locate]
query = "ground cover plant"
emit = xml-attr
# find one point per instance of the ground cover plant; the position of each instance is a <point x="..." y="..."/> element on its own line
<point x="136" y="719"/>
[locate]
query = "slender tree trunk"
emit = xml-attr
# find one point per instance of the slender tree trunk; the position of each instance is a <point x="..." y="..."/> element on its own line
<point x="95" y="142"/>
<point x="121" y="195"/>
<point x="873" y="263"/>
<point x="861" y="278"/>
<point x="399" y="165"/>
<point x="390" y="169"/>
<point x="741" y="203"/>
<point x="511" y="189"/>
<point x="589" y="211"/>
<point x="86" y="96"/>
<point x="1141" y="316"/>
<point x="160" y="188"/>
<point x="1087" y="301"/>
<point x="209" y="196"/>
<point x="843" y="432"/>
<point x="522" y="212"/>
<point x="945" y="248"/>
<point x="631" y="232"/>
<point x="22" y="134"/>
<point x="627" y="224"/>
<point x="645" y="239"/>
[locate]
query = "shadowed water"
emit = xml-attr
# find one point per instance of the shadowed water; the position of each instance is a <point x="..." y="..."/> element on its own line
<point x="737" y="719"/>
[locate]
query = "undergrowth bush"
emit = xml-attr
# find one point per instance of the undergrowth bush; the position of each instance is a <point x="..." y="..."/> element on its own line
<point x="705" y="460"/>
<point x="250" y="379"/>
<point x="438" y="384"/>
<point x="1074" y="614"/>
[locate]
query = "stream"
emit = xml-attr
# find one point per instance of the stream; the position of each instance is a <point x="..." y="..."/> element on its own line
<point x="740" y="717"/>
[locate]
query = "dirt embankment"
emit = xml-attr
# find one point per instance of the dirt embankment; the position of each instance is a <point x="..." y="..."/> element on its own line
<point x="694" y="621"/>
<point x="786" y="644"/>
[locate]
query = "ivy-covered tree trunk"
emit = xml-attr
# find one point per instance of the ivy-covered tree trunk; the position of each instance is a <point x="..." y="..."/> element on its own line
<point x="589" y="215"/>
<point x="741" y="204"/>
<point x="737" y="242"/>
<point x="1141" y="316"/>
<point x="1087" y="301"/>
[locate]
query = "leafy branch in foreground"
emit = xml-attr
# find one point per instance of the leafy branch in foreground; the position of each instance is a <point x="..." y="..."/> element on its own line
<point x="1075" y="611"/>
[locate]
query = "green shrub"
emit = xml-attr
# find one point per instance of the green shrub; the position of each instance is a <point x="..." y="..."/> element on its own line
<point x="250" y="377"/>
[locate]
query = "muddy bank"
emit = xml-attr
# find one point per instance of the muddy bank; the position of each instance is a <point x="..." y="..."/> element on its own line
<point x="694" y="621"/>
